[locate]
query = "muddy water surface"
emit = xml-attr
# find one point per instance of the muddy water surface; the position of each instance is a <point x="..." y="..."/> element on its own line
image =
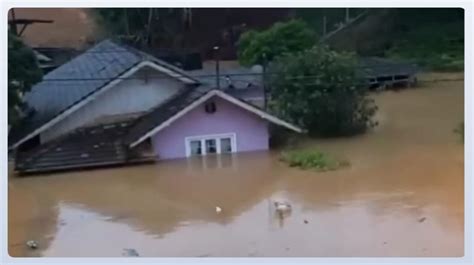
<point x="401" y="196"/>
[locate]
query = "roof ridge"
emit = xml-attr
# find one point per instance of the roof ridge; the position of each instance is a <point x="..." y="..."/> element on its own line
<point x="146" y="56"/>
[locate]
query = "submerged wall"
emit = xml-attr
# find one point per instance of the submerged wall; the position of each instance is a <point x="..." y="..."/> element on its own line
<point x="251" y="131"/>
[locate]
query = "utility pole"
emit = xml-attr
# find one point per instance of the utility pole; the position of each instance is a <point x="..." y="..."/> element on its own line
<point x="264" y="87"/>
<point x="150" y="17"/>
<point x="324" y="25"/>
<point x="13" y="26"/>
<point x="347" y="15"/>
<point x="216" y="56"/>
<point x="127" y="25"/>
<point x="25" y="22"/>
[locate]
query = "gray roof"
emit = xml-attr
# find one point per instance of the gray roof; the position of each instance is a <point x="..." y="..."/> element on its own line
<point x="75" y="80"/>
<point x="250" y="93"/>
<point x="163" y="112"/>
<point x="230" y="73"/>
<point x="373" y="67"/>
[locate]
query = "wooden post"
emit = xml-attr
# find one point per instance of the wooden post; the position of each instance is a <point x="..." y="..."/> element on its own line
<point x="216" y="54"/>
<point x="127" y="25"/>
<point x="149" y="33"/>
<point x="265" y="92"/>
<point x="324" y="25"/>
<point x="13" y="25"/>
<point x="347" y="15"/>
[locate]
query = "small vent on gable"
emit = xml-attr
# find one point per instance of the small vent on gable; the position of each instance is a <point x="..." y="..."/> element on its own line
<point x="210" y="107"/>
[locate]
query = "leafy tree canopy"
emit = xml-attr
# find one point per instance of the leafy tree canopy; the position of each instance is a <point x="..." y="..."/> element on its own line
<point x="256" y="47"/>
<point x="23" y="73"/>
<point x="319" y="89"/>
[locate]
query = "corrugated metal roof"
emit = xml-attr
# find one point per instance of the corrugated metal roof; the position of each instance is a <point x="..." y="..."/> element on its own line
<point x="75" y="80"/>
<point x="231" y="73"/>
<point x="162" y="113"/>
<point x="86" y="147"/>
<point x="373" y="67"/>
<point x="65" y="86"/>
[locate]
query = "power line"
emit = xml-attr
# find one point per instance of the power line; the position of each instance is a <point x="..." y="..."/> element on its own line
<point x="223" y="78"/>
<point x="198" y="76"/>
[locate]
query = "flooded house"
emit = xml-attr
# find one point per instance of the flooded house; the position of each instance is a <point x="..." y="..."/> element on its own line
<point x="114" y="105"/>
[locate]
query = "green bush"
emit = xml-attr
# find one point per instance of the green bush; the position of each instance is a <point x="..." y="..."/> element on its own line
<point x="434" y="46"/>
<point x="320" y="90"/>
<point x="312" y="159"/>
<point x="258" y="47"/>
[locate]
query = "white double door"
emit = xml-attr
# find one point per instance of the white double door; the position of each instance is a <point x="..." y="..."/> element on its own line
<point x="210" y="144"/>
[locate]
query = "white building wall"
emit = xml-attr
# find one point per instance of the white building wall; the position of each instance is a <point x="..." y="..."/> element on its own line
<point x="145" y="90"/>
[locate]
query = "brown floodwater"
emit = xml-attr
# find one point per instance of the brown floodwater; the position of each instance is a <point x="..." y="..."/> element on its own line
<point x="403" y="195"/>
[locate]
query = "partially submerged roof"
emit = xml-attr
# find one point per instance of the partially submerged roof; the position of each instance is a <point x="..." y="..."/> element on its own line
<point x="250" y="93"/>
<point x="93" y="146"/>
<point x="112" y="143"/>
<point x="374" y="67"/>
<point x="166" y="114"/>
<point x="231" y="75"/>
<point x="72" y="83"/>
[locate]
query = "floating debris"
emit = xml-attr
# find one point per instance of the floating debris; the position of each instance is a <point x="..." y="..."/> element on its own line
<point x="421" y="220"/>
<point x="32" y="244"/>
<point x="218" y="209"/>
<point x="130" y="252"/>
<point x="62" y="223"/>
<point x="305" y="221"/>
<point x="282" y="207"/>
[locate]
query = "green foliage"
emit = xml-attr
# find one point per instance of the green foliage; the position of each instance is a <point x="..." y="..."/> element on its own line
<point x="430" y="37"/>
<point x="257" y="47"/>
<point x="319" y="89"/>
<point x="312" y="159"/>
<point x="23" y="73"/>
<point x="434" y="46"/>
<point x="460" y="131"/>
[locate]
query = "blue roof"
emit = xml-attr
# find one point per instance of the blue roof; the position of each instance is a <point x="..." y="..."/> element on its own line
<point x="65" y="85"/>
<point x="75" y="80"/>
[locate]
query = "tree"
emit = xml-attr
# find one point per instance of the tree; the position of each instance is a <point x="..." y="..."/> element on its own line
<point x="257" y="47"/>
<point x="320" y="90"/>
<point x="145" y="26"/>
<point x="23" y="73"/>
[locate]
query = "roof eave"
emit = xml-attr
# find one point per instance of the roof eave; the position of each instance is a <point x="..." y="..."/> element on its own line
<point x="262" y="114"/>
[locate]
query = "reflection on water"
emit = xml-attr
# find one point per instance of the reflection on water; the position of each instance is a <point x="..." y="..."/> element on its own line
<point x="402" y="196"/>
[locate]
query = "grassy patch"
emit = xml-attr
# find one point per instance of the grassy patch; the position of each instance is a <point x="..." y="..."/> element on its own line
<point x="312" y="159"/>
<point x="460" y="130"/>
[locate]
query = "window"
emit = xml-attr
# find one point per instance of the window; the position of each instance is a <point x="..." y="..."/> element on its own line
<point x="210" y="144"/>
<point x="196" y="148"/>
<point x="226" y="145"/>
<point x="211" y="147"/>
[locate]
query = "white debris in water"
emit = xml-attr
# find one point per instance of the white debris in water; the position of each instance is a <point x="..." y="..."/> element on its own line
<point x="130" y="252"/>
<point x="32" y="244"/>
<point x="282" y="206"/>
<point x="218" y="209"/>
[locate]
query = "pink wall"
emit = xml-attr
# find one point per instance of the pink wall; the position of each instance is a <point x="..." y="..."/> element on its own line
<point x="251" y="131"/>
